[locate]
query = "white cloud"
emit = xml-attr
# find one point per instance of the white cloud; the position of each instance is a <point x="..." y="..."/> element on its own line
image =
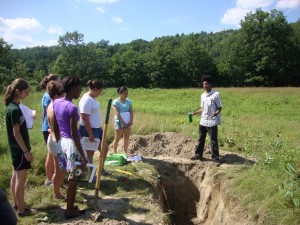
<point x="103" y="1"/>
<point x="54" y="29"/>
<point x="288" y="4"/>
<point x="20" y="32"/>
<point x="26" y="40"/>
<point x="234" y="16"/>
<point x="117" y="20"/>
<point x="30" y="24"/>
<point x="100" y="9"/>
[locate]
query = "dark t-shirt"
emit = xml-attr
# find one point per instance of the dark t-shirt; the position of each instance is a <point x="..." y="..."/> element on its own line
<point x="14" y="115"/>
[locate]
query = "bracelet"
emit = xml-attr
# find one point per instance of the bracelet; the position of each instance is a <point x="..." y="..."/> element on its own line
<point x="25" y="151"/>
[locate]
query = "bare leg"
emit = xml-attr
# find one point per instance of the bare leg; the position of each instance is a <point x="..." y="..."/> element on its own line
<point x="49" y="166"/>
<point x="58" y="178"/>
<point x="13" y="186"/>
<point x="71" y="195"/>
<point x="118" y="136"/>
<point x="126" y="138"/>
<point x="19" y="189"/>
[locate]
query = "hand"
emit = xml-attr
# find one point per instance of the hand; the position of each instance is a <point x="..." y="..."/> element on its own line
<point x="28" y="156"/>
<point x="124" y="124"/>
<point x="130" y="124"/>
<point x="91" y="138"/>
<point x="214" y="115"/>
<point x="83" y="163"/>
<point x="34" y="114"/>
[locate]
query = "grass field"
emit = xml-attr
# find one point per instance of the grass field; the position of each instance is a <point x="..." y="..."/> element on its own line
<point x="261" y="123"/>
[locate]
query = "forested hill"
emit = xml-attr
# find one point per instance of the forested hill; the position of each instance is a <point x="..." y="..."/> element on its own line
<point x="265" y="51"/>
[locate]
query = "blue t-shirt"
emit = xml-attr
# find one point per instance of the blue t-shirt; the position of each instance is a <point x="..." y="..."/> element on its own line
<point x="45" y="102"/>
<point x="122" y="107"/>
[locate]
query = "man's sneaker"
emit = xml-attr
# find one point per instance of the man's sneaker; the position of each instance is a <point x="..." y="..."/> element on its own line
<point x="48" y="183"/>
<point x="216" y="162"/>
<point x="196" y="157"/>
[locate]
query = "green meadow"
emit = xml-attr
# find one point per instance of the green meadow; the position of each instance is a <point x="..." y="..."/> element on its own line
<point x="262" y="124"/>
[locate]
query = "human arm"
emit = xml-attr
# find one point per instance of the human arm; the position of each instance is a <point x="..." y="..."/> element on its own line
<point x="219" y="109"/>
<point x="87" y="125"/>
<point x="118" y="115"/>
<point x="218" y="104"/>
<point x="55" y="128"/>
<point x="21" y="143"/>
<point x="76" y="138"/>
<point x="199" y="111"/>
<point x="131" y="116"/>
<point x="51" y="122"/>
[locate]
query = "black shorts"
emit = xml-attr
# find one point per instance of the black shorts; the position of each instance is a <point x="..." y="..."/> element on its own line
<point x="20" y="163"/>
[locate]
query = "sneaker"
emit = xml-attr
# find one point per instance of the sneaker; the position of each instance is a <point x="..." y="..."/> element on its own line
<point x="27" y="212"/>
<point x="48" y="183"/>
<point x="197" y="157"/>
<point x="216" y="162"/>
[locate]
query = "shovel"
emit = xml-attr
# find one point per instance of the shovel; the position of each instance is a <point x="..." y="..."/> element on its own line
<point x="102" y="153"/>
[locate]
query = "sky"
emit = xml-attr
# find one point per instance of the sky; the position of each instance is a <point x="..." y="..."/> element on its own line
<point x="29" y="23"/>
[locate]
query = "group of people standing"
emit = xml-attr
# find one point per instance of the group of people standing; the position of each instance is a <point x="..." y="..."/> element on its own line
<point x="61" y="134"/>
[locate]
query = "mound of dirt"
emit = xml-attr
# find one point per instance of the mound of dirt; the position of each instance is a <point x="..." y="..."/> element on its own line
<point x="163" y="144"/>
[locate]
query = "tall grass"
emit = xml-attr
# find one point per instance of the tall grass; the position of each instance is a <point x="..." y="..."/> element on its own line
<point x="262" y="123"/>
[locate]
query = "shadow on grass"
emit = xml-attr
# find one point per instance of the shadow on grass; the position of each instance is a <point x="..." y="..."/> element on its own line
<point x="236" y="159"/>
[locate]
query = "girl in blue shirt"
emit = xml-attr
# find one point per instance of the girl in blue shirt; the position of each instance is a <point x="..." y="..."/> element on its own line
<point x="49" y="163"/>
<point x="123" y="121"/>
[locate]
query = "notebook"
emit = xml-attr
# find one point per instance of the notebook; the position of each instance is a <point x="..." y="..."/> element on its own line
<point x="83" y="175"/>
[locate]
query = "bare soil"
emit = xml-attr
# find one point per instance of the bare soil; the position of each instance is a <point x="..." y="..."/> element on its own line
<point x="190" y="192"/>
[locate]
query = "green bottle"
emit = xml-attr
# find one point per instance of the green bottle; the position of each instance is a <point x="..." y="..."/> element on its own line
<point x="190" y="117"/>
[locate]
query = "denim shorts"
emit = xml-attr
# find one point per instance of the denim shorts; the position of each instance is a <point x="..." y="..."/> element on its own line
<point x="97" y="132"/>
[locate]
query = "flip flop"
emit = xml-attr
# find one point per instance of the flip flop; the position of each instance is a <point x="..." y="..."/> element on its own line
<point x="62" y="198"/>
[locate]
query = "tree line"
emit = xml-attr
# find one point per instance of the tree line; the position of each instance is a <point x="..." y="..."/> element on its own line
<point x="265" y="51"/>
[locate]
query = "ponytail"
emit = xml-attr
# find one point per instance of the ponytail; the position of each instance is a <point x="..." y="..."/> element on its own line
<point x="8" y="96"/>
<point x="10" y="93"/>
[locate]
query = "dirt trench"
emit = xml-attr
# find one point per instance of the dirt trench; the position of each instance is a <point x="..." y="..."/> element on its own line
<point x="193" y="192"/>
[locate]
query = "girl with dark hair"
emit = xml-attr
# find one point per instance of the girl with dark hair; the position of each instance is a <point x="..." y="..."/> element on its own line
<point x="66" y="132"/>
<point x="122" y="107"/>
<point x="55" y="91"/>
<point x="18" y="140"/>
<point x="90" y="117"/>
<point x="49" y="164"/>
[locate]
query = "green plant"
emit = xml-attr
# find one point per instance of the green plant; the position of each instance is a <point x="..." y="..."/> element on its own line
<point x="291" y="188"/>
